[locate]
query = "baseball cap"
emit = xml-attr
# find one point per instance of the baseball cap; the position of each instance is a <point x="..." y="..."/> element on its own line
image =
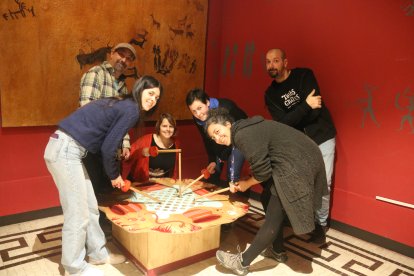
<point x="127" y="46"/>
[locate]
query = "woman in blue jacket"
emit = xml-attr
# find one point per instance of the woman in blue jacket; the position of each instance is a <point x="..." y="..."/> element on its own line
<point x="98" y="126"/>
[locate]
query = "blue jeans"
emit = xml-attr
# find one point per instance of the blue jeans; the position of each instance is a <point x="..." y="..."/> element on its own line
<point x="81" y="230"/>
<point x="328" y="152"/>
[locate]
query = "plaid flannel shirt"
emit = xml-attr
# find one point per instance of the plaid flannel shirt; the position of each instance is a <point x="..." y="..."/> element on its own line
<point x="99" y="82"/>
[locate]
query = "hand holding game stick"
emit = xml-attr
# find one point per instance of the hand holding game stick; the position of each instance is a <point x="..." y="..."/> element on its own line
<point x="127" y="186"/>
<point x="204" y="173"/>
<point x="232" y="188"/>
<point x="213" y="193"/>
<point x="154" y="151"/>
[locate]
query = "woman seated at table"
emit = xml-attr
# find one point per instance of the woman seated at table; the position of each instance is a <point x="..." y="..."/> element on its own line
<point x="141" y="166"/>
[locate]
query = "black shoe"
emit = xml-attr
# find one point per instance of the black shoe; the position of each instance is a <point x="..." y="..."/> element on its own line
<point x="227" y="227"/>
<point x="270" y="253"/>
<point x="318" y="235"/>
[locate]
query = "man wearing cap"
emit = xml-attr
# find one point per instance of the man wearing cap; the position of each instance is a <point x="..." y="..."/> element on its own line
<point x="107" y="79"/>
<point x="103" y="81"/>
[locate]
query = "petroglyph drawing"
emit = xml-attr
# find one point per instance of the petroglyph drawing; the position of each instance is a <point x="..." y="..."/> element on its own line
<point x="408" y="117"/>
<point x="368" y="109"/>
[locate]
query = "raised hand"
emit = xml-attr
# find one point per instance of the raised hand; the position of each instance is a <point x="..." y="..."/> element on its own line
<point x="314" y="101"/>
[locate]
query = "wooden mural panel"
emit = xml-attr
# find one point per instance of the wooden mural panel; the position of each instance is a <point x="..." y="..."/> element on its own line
<point x="48" y="45"/>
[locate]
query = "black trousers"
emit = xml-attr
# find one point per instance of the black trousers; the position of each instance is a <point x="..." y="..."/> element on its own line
<point x="264" y="199"/>
<point x="271" y="232"/>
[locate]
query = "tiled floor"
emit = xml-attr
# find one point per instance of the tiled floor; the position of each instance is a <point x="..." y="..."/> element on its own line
<point x="33" y="248"/>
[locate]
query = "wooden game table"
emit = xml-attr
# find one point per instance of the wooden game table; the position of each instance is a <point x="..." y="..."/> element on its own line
<point x="175" y="231"/>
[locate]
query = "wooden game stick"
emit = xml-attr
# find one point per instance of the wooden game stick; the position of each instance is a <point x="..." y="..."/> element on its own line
<point x="127" y="186"/>
<point x="213" y="193"/>
<point x="154" y="151"/>
<point x="204" y="173"/>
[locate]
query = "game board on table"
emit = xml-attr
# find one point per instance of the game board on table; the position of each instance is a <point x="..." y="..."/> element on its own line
<point x="173" y="213"/>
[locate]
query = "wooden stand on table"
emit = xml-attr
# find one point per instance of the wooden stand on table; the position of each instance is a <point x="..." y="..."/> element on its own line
<point x="179" y="167"/>
<point x="154" y="151"/>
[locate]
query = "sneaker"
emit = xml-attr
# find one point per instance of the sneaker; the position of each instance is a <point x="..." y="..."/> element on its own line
<point x="272" y="254"/>
<point x="88" y="271"/>
<point x="111" y="259"/>
<point x="318" y="235"/>
<point x="232" y="262"/>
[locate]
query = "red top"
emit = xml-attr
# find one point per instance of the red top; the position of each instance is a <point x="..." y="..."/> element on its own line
<point x="138" y="165"/>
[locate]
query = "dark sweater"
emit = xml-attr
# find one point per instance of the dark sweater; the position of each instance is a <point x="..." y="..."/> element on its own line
<point x="291" y="159"/>
<point x="213" y="149"/>
<point x="100" y="126"/>
<point x="286" y="102"/>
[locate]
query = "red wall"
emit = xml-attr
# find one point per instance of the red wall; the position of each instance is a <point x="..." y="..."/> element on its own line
<point x="25" y="183"/>
<point x="352" y="46"/>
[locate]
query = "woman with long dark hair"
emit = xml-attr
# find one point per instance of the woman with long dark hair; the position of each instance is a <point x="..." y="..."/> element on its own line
<point x="98" y="126"/>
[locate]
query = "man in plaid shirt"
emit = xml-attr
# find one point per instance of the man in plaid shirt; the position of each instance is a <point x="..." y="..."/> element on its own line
<point x="103" y="81"/>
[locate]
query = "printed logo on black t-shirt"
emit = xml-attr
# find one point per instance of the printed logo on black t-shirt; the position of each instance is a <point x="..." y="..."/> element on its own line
<point x="291" y="98"/>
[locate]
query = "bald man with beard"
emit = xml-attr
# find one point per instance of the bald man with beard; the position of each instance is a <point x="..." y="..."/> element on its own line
<point x="294" y="98"/>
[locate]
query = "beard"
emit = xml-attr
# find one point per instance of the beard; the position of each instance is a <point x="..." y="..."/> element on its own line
<point x="120" y="67"/>
<point x="273" y="73"/>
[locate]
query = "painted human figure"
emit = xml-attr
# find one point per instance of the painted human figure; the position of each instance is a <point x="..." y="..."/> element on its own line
<point x="368" y="109"/>
<point x="408" y="117"/>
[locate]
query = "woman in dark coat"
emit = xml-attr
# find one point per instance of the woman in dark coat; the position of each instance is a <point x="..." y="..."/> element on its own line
<point x="199" y="103"/>
<point x="280" y="154"/>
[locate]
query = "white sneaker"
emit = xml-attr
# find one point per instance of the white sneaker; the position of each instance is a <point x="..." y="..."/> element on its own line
<point x="112" y="259"/>
<point x="88" y="271"/>
<point x="232" y="261"/>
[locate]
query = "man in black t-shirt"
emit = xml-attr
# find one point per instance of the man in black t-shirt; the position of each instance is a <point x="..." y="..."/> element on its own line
<point x="293" y="98"/>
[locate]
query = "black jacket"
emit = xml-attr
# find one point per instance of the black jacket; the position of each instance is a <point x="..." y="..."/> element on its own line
<point x="213" y="149"/>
